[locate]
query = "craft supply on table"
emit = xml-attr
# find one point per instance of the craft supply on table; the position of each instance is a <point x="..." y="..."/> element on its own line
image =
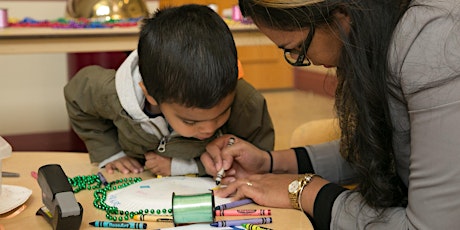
<point x="237" y="228"/>
<point x="93" y="182"/>
<point x="254" y="227"/>
<point x="102" y="178"/>
<point x="225" y="223"/>
<point x="108" y="224"/>
<point x="153" y="218"/>
<point x="10" y="174"/>
<point x="243" y="212"/>
<point x="234" y="204"/>
<point x="34" y="174"/>
<point x="61" y="210"/>
<point x="198" y="208"/>
<point x="221" y="172"/>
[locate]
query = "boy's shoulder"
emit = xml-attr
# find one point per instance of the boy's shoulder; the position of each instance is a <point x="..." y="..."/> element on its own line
<point x="92" y="77"/>
<point x="244" y="91"/>
<point x="95" y="70"/>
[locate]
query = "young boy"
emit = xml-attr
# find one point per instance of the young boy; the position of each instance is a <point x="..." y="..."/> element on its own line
<point x="173" y="95"/>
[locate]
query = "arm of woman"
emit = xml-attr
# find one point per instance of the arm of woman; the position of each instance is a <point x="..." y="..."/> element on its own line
<point x="271" y="190"/>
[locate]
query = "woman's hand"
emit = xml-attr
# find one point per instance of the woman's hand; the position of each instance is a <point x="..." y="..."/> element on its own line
<point x="239" y="160"/>
<point x="158" y="165"/>
<point x="124" y="165"/>
<point x="269" y="190"/>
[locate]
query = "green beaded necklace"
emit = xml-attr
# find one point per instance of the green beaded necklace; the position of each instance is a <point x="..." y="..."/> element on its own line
<point x="93" y="182"/>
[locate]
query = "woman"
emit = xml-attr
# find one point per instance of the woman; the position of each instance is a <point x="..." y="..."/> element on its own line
<point x="398" y="104"/>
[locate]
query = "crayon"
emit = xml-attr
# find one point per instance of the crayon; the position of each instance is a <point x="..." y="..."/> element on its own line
<point x="237" y="227"/>
<point x="34" y="174"/>
<point x="244" y="212"/>
<point x="234" y="204"/>
<point x="153" y="218"/>
<point x="10" y="174"/>
<point x="221" y="172"/>
<point x="215" y="188"/>
<point x="219" y="176"/>
<point x="102" y="178"/>
<point x="108" y="224"/>
<point x="45" y="212"/>
<point x="254" y="227"/>
<point x="225" y="223"/>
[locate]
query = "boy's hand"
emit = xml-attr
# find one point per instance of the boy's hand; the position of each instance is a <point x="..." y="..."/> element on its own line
<point x="157" y="164"/>
<point x="125" y="165"/>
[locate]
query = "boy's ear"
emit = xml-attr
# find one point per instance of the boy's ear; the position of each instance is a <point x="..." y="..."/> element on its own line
<point x="149" y="98"/>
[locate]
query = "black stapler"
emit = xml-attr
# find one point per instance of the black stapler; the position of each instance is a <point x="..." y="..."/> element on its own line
<point x="61" y="208"/>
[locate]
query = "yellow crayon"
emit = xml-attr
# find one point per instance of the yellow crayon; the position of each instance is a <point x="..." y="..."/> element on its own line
<point x="153" y="218"/>
<point x="215" y="188"/>
<point x="218" y="187"/>
<point x="254" y="227"/>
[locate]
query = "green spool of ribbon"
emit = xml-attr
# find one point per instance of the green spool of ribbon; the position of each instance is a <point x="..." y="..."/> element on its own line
<point x="198" y="208"/>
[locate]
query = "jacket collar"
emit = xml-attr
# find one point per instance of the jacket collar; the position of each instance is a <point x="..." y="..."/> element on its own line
<point x="131" y="97"/>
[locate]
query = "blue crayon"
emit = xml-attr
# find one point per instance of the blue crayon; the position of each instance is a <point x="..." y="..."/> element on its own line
<point x="102" y="178"/>
<point x="226" y="223"/>
<point x="108" y="224"/>
<point x="234" y="204"/>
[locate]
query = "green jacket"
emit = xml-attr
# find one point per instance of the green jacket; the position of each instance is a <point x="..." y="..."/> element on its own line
<point x="111" y="124"/>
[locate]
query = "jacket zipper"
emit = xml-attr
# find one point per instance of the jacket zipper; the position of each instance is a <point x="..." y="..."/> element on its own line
<point x="162" y="146"/>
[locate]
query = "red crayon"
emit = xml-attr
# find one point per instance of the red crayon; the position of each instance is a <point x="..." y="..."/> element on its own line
<point x="34" y="174"/>
<point x="244" y="212"/>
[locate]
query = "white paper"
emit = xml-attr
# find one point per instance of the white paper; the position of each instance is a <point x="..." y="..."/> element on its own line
<point x="157" y="193"/>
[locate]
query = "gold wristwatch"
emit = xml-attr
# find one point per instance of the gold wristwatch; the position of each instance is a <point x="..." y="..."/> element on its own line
<point x="296" y="187"/>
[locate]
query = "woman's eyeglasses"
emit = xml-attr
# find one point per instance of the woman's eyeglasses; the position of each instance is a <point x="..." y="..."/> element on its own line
<point x="301" y="54"/>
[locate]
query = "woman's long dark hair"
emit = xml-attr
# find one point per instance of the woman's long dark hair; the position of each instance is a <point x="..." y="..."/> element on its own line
<point x="362" y="91"/>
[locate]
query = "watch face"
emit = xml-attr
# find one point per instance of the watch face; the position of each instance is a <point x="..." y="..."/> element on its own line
<point x="294" y="186"/>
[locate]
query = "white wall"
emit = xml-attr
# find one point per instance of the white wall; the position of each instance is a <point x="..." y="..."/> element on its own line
<point x="31" y="97"/>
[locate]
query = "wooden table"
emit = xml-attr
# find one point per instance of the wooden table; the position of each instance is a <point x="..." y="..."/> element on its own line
<point x="17" y="40"/>
<point x="75" y="164"/>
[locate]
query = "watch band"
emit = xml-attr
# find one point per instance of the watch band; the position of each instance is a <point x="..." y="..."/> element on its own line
<point x="308" y="178"/>
<point x="294" y="196"/>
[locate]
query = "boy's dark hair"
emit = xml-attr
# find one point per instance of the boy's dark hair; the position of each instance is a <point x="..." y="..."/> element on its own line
<point x="187" y="56"/>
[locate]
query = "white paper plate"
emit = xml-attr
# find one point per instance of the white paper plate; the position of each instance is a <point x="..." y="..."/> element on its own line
<point x="156" y="193"/>
<point x="12" y="197"/>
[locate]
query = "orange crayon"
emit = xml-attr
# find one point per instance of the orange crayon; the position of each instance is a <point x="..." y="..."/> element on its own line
<point x="244" y="212"/>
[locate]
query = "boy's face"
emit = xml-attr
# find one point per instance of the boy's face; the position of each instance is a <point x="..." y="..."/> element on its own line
<point x="196" y="122"/>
